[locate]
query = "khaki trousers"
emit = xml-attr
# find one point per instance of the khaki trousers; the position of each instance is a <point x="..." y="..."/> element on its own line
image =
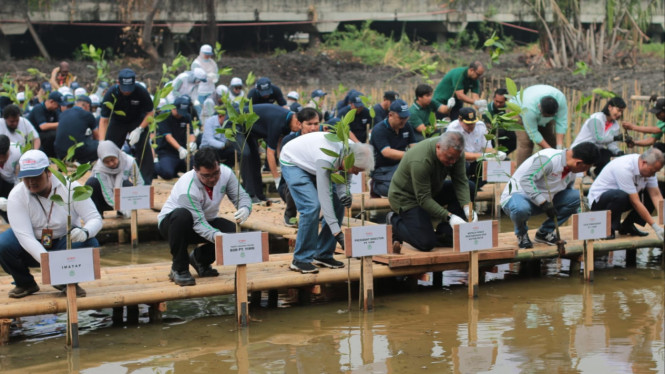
<point x="525" y="144"/>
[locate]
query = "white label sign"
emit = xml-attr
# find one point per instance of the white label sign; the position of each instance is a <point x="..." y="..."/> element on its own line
<point x="135" y="197"/>
<point x="475" y="359"/>
<point x="592" y="225"/>
<point x="242" y="248"/>
<point x="498" y="171"/>
<point x="72" y="266"/>
<point x="369" y="240"/>
<point x="356" y="183"/>
<point x="474" y="236"/>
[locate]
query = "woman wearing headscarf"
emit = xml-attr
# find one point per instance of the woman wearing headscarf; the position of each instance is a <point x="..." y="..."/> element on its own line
<point x="114" y="169"/>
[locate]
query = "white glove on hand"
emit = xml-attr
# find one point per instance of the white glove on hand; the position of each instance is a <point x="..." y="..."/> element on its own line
<point x="659" y="230"/>
<point x="78" y="235"/>
<point x="182" y="153"/>
<point x="480" y="103"/>
<point x="455" y="220"/>
<point x="241" y="215"/>
<point x="3" y="204"/>
<point x="475" y="215"/>
<point x="135" y="135"/>
<point x="501" y="155"/>
<point x="450" y="103"/>
<point x="192" y="147"/>
<point x="490" y="156"/>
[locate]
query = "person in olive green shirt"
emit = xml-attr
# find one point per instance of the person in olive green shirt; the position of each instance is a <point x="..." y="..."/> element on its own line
<point x="419" y="193"/>
<point x="421" y="108"/>
<point x="461" y="84"/>
<point x="656" y="132"/>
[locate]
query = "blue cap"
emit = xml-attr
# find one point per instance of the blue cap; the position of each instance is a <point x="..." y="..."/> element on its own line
<point x="127" y="80"/>
<point x="74" y="85"/>
<point x="55" y="96"/>
<point x="318" y="93"/>
<point x="46" y="86"/>
<point x="181" y="104"/>
<point x="400" y="107"/>
<point x="68" y="100"/>
<point x="84" y="98"/>
<point x="264" y="86"/>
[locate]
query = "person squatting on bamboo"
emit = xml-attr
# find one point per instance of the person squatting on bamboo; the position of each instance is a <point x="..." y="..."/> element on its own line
<point x="9" y="156"/>
<point x="189" y="215"/>
<point x="655" y="132"/>
<point x="603" y="129"/>
<point x="544" y="184"/>
<point x="174" y="143"/>
<point x="114" y="169"/>
<point x="419" y="193"/>
<point x="39" y="225"/>
<point x="628" y="183"/>
<point x="307" y="172"/>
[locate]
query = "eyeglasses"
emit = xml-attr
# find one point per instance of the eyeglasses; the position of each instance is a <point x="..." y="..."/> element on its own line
<point x="210" y="176"/>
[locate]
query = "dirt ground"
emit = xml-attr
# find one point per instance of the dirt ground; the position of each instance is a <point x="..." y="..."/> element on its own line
<point x="306" y="71"/>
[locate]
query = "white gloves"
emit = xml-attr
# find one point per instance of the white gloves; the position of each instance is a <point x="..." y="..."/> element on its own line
<point x="182" y="153"/>
<point x="559" y="146"/>
<point x="192" y="147"/>
<point x="481" y="105"/>
<point x="241" y="215"/>
<point x="659" y="230"/>
<point x="135" y="135"/>
<point x="78" y="235"/>
<point x="475" y="215"/>
<point x="501" y="155"/>
<point x="455" y="220"/>
<point x="450" y="103"/>
<point x="3" y="204"/>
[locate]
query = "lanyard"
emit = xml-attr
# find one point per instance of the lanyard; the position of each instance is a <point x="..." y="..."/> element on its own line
<point x="48" y="216"/>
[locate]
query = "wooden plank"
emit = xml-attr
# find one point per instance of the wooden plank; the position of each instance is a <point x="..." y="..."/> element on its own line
<point x="588" y="262"/>
<point x="72" y="338"/>
<point x="367" y="284"/>
<point x="242" y="310"/>
<point x="473" y="274"/>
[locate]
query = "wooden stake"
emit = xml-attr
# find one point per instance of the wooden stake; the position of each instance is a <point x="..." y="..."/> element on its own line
<point x="134" y="228"/>
<point x="5" y="325"/>
<point x="473" y="274"/>
<point x="367" y="281"/>
<point x="72" y="339"/>
<point x="242" y="312"/>
<point x="588" y="261"/>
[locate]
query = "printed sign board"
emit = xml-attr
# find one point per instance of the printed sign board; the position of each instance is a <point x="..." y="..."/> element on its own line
<point x="592" y="225"/>
<point x="132" y="198"/>
<point x="475" y="236"/>
<point x="497" y="171"/>
<point x="70" y="266"/>
<point x="241" y="248"/>
<point x="370" y="240"/>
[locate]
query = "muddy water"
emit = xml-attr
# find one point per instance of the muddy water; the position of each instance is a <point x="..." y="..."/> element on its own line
<point x="552" y="323"/>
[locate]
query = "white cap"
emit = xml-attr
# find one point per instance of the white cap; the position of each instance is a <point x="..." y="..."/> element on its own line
<point x="206" y="49"/>
<point x="94" y="98"/>
<point x="32" y="163"/>
<point x="221" y="90"/>
<point x="236" y="82"/>
<point x="20" y="96"/>
<point x="200" y="74"/>
<point x="80" y="91"/>
<point x="293" y="95"/>
<point x="64" y="90"/>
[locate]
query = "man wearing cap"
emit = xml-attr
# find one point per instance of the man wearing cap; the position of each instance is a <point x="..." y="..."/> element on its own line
<point x="206" y="62"/>
<point x="381" y="109"/>
<point x="17" y="128"/>
<point x="76" y="122"/>
<point x="266" y="93"/>
<point x="292" y="101"/>
<point x="460" y="85"/>
<point x="45" y="117"/>
<point x="173" y="141"/>
<point x="236" y="92"/>
<point x="190" y="215"/>
<point x="39" y="225"/>
<point x="419" y="193"/>
<point x="390" y="139"/>
<point x="9" y="156"/>
<point x="656" y="132"/>
<point x="60" y="76"/>
<point x="274" y="123"/>
<point x="136" y="106"/>
<point x="422" y="108"/>
<point x="361" y="121"/>
<point x="544" y="117"/>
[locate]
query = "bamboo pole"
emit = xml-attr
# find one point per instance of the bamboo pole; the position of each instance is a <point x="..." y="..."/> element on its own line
<point x="588" y="261"/>
<point x="242" y="310"/>
<point x="72" y="338"/>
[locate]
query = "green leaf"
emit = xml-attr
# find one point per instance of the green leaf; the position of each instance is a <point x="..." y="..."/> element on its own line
<point x="332" y="137"/>
<point x="58" y="175"/>
<point x="513" y="107"/>
<point x="81" y="170"/>
<point x="328" y="152"/>
<point x="58" y="199"/>
<point x="502" y="148"/>
<point x="162" y="116"/>
<point x="81" y="193"/>
<point x="349" y="161"/>
<point x="432" y="119"/>
<point x="61" y="165"/>
<point x="336" y="178"/>
<point x="108" y="104"/>
<point x="349" y="117"/>
<point x="119" y="112"/>
<point x="511" y="87"/>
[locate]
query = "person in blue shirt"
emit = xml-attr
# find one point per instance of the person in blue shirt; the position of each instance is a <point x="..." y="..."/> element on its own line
<point x="266" y="93"/>
<point x="361" y="122"/>
<point x="381" y="109"/>
<point x="44" y="117"/>
<point x="76" y="122"/>
<point x="212" y="139"/>
<point x="172" y="140"/>
<point x="390" y="139"/>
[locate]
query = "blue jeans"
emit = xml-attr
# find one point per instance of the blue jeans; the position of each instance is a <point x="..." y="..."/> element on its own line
<point x="519" y="208"/>
<point x="16" y="261"/>
<point x="169" y="165"/>
<point x="309" y="244"/>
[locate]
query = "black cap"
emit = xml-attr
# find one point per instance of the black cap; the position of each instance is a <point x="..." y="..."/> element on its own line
<point x="84" y="98"/>
<point x="127" y="80"/>
<point x="468" y="115"/>
<point x="390" y="95"/>
<point x="55" y="96"/>
<point x="658" y="107"/>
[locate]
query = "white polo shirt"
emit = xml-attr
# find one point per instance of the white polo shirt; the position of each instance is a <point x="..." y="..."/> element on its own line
<point x="22" y="130"/>
<point x="8" y="169"/>
<point x="622" y="173"/>
<point x="474" y="142"/>
<point x="305" y="150"/>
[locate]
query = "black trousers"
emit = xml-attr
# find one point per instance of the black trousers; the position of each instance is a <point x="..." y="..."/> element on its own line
<point x="414" y="226"/>
<point x="98" y="195"/>
<point x="250" y="165"/>
<point x="617" y="202"/>
<point x="142" y="151"/>
<point x="603" y="159"/>
<point x="5" y="189"/>
<point x="177" y="228"/>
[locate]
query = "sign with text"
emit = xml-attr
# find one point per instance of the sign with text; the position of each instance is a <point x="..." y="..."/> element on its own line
<point x="70" y="266"/>
<point x="132" y="198"/>
<point x="475" y="236"/>
<point x="242" y="248"/>
<point x="358" y="184"/>
<point x="592" y="225"/>
<point x="370" y="240"/>
<point x="497" y="171"/>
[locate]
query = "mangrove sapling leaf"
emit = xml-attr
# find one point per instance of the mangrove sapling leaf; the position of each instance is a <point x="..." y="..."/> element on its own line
<point x="81" y="170"/>
<point x="162" y="116"/>
<point x="502" y="148"/>
<point x="81" y="192"/>
<point x="120" y="113"/>
<point x="336" y="178"/>
<point x="328" y="152"/>
<point x="58" y="175"/>
<point x="603" y="93"/>
<point x="513" y="107"/>
<point x="349" y="161"/>
<point x="514" y="126"/>
<point x="108" y="104"/>
<point x="58" y="200"/>
<point x="226" y="71"/>
<point x="251" y="78"/>
<point x="332" y="137"/>
<point x="511" y="87"/>
<point x="61" y="165"/>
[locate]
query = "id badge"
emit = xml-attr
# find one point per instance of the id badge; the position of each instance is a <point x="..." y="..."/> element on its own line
<point x="47" y="238"/>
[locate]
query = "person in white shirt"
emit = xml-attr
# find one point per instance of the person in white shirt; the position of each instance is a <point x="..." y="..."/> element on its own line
<point x="206" y="62"/>
<point x="18" y="129"/>
<point x="189" y="215"/>
<point x="603" y="129"/>
<point x="9" y="156"/>
<point x="235" y="89"/>
<point x="620" y="186"/>
<point x="38" y="224"/>
<point x="187" y="83"/>
<point x="544" y="184"/>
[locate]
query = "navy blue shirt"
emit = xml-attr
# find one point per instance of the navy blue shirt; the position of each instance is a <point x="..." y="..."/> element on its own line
<point x="177" y="127"/>
<point x="384" y="136"/>
<point x="275" y="96"/>
<point x="40" y="115"/>
<point x="359" y="125"/>
<point x="379" y="113"/>
<point x="272" y="124"/>
<point x="73" y="122"/>
<point x="135" y="105"/>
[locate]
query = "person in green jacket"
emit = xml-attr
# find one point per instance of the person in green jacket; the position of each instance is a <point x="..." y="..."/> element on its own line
<point x="419" y="193"/>
<point x="460" y="85"/>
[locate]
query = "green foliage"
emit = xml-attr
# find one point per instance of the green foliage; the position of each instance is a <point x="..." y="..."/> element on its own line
<point x="493" y="42"/>
<point x="656" y="49"/>
<point x="218" y="51"/>
<point x="581" y="67"/>
<point x="101" y="66"/>
<point x="279" y="52"/>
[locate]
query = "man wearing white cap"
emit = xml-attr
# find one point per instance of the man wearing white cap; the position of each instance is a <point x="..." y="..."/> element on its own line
<point x="39" y="225"/>
<point x="292" y="101"/>
<point x="236" y="92"/>
<point x="206" y="62"/>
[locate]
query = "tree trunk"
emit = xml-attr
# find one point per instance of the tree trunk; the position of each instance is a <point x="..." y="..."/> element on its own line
<point x="146" y="37"/>
<point x="210" y="33"/>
